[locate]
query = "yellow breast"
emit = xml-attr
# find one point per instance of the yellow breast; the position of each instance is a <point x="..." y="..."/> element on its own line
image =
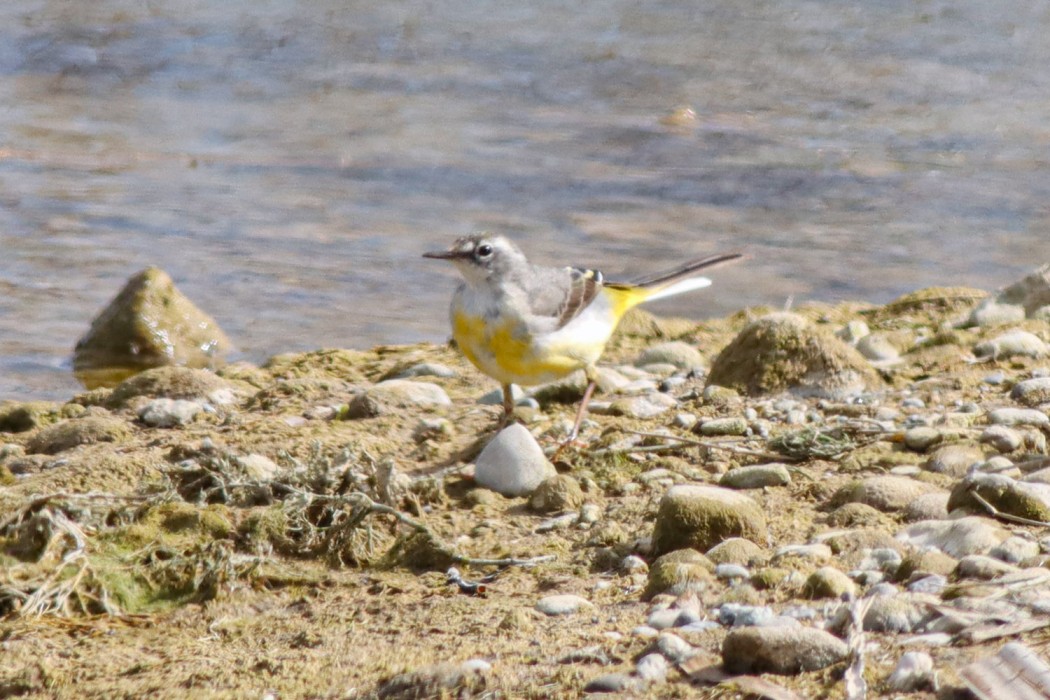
<point x="505" y="351"/>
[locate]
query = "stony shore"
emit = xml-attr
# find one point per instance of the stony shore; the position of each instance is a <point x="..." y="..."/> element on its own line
<point x="780" y="504"/>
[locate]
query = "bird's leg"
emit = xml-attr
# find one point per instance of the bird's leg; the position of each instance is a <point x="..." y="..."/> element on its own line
<point x="581" y="411"/>
<point x="591" y="383"/>
<point x="508" y="405"/>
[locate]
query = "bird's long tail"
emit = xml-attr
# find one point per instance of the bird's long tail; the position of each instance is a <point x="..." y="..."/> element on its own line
<point x="671" y="282"/>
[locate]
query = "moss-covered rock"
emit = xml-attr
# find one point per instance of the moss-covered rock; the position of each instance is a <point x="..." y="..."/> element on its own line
<point x="171" y="383"/>
<point x="558" y="493"/>
<point x="78" y="431"/>
<point x="784" y="352"/>
<point x="828" y="582"/>
<point x="20" y="417"/>
<point x="1019" y="498"/>
<point x="700" y="517"/>
<point x="736" y="550"/>
<point x="149" y="324"/>
<point x="679" y="572"/>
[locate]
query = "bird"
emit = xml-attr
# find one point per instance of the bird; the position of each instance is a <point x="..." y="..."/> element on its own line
<point x="528" y="324"/>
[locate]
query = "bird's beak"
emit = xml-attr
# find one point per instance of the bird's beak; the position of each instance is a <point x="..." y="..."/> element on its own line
<point x="447" y="254"/>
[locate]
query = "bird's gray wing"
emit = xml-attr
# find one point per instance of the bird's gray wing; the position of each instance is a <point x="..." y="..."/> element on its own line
<point x="560" y="294"/>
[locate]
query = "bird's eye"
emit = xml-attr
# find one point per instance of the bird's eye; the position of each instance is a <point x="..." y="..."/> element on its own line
<point x="484" y="251"/>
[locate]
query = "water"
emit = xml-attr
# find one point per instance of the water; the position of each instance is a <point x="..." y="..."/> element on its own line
<point x="287" y="163"/>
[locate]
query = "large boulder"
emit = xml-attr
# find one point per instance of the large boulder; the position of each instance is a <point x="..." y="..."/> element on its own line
<point x="785" y="352"/>
<point x="149" y="324"/>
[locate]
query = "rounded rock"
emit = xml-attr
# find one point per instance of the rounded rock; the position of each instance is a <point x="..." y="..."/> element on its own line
<point x="513" y="463"/>
<point x="785" y="352"/>
<point x="169" y="413"/>
<point x="736" y="550"/>
<point x="828" y="582"/>
<point x="1032" y="392"/>
<point x="877" y="348"/>
<point x="77" y="431"/>
<point x="781" y="650"/>
<point x="1018" y="498"/>
<point x="723" y="426"/>
<point x="562" y="604"/>
<point x="1002" y="438"/>
<point x="394" y="395"/>
<point x="887" y="493"/>
<point x="150" y="323"/>
<point x="558" y="493"/>
<point x="681" y="355"/>
<point x="957" y="538"/>
<point x="1012" y="344"/>
<point x="756" y="476"/>
<point x="1018" y="416"/>
<point x="922" y="438"/>
<point x="954" y="460"/>
<point x="702" y="516"/>
<point x="678" y="572"/>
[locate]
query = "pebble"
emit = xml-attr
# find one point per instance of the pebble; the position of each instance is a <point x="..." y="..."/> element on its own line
<point x="394" y="395"/>
<point x="922" y="438"/>
<point x="652" y="668"/>
<point x="678" y="572"/>
<point x="815" y="552"/>
<point x="724" y="426"/>
<point x="731" y="572"/>
<point x="913" y="672"/>
<point x="662" y="619"/>
<point x="560" y="522"/>
<point x="257" y="467"/>
<point x="610" y="683"/>
<point x="590" y="513"/>
<point x="736" y="550"/>
<point x="927" y="507"/>
<point x="957" y="538"/>
<point x="782" y="650"/>
<point x="1001" y="438"/>
<point x="512" y="464"/>
<point x="681" y="355"/>
<point x="982" y="568"/>
<point x="756" y="476"/>
<point x="894" y="613"/>
<point x="673" y="647"/>
<point x="1020" y="498"/>
<point x="557" y="493"/>
<point x="426" y="369"/>
<point x="495" y="397"/>
<point x="887" y="493"/>
<point x="1032" y="392"/>
<point x="562" y="604"/>
<point x="1015" y="550"/>
<point x="169" y="413"/>
<point x="993" y="313"/>
<point x="1012" y="344"/>
<point x="738" y="615"/>
<point x="934" y="584"/>
<point x="642" y="407"/>
<point x="877" y="348"/>
<point x="1018" y="416"/>
<point x="685" y="421"/>
<point x="954" y="460"/>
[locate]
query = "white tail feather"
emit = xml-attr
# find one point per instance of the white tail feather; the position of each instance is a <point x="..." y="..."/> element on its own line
<point x="680" y="287"/>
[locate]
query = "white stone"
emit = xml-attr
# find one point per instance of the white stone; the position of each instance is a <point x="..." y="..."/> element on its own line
<point x="512" y="464"/>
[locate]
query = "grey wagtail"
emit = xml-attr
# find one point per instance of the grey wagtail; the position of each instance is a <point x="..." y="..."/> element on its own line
<point x="528" y="324"/>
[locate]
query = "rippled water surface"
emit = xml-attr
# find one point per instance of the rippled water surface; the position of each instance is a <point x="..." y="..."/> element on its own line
<point x="288" y="162"/>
